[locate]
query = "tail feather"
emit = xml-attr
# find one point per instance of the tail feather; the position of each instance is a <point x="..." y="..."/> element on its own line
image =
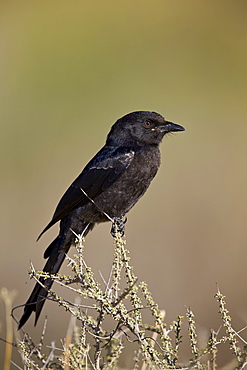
<point x="38" y="296"/>
<point x="55" y="253"/>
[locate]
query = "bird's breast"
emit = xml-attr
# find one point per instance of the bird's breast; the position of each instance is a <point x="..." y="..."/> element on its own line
<point x="119" y="198"/>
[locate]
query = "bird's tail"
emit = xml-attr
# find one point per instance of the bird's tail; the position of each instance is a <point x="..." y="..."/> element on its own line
<point x="38" y="296"/>
<point x="56" y="252"/>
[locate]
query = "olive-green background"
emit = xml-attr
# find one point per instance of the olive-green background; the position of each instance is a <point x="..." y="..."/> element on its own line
<point x="68" y="70"/>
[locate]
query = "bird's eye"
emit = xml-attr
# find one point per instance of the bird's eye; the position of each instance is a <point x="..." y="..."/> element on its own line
<point x="147" y="124"/>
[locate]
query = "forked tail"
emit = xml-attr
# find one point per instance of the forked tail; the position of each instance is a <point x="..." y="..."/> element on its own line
<point x="38" y="296"/>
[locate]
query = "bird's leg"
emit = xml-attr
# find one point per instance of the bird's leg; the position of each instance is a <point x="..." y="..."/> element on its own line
<point x="118" y="225"/>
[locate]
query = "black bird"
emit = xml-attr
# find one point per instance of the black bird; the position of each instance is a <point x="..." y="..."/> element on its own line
<point x="110" y="184"/>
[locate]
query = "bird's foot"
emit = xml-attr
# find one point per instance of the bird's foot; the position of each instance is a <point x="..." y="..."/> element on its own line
<point x="118" y="226"/>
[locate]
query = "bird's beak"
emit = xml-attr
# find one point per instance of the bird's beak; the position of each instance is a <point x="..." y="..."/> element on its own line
<point x="170" y="127"/>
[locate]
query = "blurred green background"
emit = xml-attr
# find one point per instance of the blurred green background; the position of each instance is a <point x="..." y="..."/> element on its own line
<point x="68" y="71"/>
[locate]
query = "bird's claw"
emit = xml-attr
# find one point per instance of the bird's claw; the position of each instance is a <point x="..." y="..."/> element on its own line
<point x="118" y="226"/>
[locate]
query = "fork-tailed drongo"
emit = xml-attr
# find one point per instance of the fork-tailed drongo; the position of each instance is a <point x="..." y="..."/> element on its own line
<point x="110" y="184"/>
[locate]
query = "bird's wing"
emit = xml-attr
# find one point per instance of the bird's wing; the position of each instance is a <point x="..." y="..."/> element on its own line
<point x="100" y="173"/>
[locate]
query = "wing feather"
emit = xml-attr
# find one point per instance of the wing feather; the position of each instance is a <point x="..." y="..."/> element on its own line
<point x="99" y="174"/>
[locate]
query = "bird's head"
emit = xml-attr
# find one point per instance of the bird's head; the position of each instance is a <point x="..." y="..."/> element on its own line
<point x="141" y="127"/>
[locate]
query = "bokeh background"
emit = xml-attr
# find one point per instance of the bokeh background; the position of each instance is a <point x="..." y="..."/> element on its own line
<point x="68" y="71"/>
